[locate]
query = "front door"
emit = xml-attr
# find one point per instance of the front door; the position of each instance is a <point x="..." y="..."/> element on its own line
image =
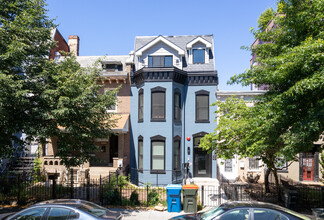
<point x="308" y="166"/>
<point x="113" y="149"/>
<point x="201" y="163"/>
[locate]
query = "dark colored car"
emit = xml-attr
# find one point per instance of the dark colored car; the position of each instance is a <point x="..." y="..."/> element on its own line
<point x="65" y="209"/>
<point x="245" y="210"/>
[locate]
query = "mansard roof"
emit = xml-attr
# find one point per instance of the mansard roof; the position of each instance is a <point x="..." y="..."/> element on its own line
<point x="180" y="41"/>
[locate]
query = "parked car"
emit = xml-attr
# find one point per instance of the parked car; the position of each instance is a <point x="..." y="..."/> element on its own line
<point x="245" y="210"/>
<point x="65" y="209"/>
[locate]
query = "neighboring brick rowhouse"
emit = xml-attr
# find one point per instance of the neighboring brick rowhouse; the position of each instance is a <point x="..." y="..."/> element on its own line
<point x="61" y="44"/>
<point x="74" y="44"/>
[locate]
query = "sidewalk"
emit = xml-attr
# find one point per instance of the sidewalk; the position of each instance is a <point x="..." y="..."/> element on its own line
<point x="146" y="214"/>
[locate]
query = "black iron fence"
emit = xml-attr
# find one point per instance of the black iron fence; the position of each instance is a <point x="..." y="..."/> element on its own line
<point x="117" y="190"/>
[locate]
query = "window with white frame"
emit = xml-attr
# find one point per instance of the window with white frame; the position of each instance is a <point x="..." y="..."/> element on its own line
<point x="254" y="163"/>
<point x="157" y="153"/>
<point x="160" y="61"/>
<point x="228" y="165"/>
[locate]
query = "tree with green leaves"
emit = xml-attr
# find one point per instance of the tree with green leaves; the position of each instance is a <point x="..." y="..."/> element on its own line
<point x="42" y="98"/>
<point x="289" y="117"/>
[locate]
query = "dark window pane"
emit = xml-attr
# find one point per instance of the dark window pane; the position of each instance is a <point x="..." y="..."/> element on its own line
<point x="168" y="61"/>
<point x="160" y="61"/>
<point x="120" y="67"/>
<point x="177" y="106"/>
<point x="176" y="155"/>
<point x="202" y="102"/>
<point x="158" y="108"/>
<point x="58" y="213"/>
<point x="260" y="214"/>
<point x="196" y="141"/>
<point x="140" y="106"/>
<point x="35" y="214"/>
<point x="242" y="213"/>
<point x="150" y="61"/>
<point x="198" y="55"/>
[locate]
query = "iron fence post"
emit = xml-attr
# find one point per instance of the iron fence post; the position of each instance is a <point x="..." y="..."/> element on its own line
<point x="219" y="195"/>
<point x="88" y="189"/>
<point x="147" y="198"/>
<point x="322" y="196"/>
<point x="100" y="191"/>
<point x="18" y="196"/>
<point x="120" y="190"/>
<point x="202" y="195"/>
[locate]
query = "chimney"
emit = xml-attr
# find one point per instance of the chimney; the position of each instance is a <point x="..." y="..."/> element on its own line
<point x="74" y="44"/>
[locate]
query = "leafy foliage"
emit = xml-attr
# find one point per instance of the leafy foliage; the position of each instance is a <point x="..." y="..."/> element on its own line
<point x="265" y="18"/>
<point x="322" y="166"/>
<point x="289" y="117"/>
<point x="43" y="98"/>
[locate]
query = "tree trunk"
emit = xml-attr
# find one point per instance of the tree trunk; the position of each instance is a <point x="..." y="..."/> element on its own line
<point x="266" y="180"/>
<point x="277" y="182"/>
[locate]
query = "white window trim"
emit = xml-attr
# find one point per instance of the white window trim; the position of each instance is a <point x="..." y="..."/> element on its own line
<point x="254" y="170"/>
<point x="199" y="48"/>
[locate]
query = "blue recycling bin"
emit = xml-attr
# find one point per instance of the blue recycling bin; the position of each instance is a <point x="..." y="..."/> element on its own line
<point x="174" y="197"/>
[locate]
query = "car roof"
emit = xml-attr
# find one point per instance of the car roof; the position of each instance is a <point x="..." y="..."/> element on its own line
<point x="256" y="204"/>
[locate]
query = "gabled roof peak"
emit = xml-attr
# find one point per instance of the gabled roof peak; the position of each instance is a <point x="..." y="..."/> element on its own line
<point x="199" y="39"/>
<point x="158" y="39"/>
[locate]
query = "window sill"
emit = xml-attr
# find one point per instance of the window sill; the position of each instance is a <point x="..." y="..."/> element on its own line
<point x="282" y="171"/>
<point x="140" y="170"/>
<point x="202" y="121"/>
<point x="254" y="171"/>
<point x="158" y="120"/>
<point x="177" y="122"/>
<point x="157" y="172"/>
<point x="140" y="121"/>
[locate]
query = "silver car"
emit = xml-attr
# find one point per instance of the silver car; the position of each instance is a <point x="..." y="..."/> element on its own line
<point x="65" y="209"/>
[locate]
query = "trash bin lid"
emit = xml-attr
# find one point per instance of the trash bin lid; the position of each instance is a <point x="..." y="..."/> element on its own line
<point x="191" y="186"/>
<point x="174" y="186"/>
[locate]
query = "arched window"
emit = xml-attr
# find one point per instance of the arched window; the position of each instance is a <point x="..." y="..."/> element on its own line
<point x="158" y="104"/>
<point x="157" y="154"/>
<point x="202" y="106"/>
<point x="140" y="153"/>
<point x="140" y="105"/>
<point x="177" y="105"/>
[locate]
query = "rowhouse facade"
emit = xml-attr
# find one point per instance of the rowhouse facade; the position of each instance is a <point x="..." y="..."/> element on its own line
<point x="172" y="88"/>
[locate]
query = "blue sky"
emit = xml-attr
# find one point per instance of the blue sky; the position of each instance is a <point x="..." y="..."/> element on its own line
<point x="109" y="27"/>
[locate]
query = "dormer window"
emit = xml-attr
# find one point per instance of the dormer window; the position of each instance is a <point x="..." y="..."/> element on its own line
<point x="160" y="61"/>
<point x="198" y="55"/>
<point x="112" y="67"/>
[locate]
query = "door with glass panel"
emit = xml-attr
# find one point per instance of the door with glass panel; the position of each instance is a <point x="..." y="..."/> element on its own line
<point x="201" y="160"/>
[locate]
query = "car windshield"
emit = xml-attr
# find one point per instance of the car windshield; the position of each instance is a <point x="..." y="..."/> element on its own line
<point x="210" y="214"/>
<point x="97" y="210"/>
